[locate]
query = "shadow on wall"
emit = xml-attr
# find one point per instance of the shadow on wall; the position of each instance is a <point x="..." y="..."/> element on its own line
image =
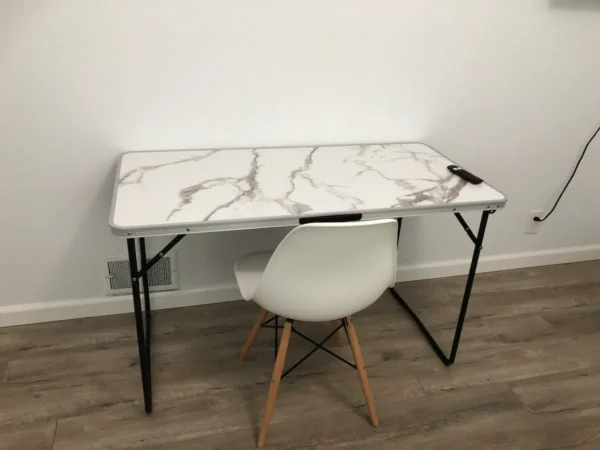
<point x="80" y="269"/>
<point x="575" y="5"/>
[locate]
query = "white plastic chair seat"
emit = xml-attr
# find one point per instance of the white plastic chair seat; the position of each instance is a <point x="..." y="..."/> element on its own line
<point x="322" y="271"/>
<point x="249" y="271"/>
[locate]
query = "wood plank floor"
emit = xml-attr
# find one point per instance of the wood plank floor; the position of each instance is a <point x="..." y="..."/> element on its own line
<point x="527" y="375"/>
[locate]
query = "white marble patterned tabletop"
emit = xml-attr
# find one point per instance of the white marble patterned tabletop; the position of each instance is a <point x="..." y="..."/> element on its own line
<point x="171" y="192"/>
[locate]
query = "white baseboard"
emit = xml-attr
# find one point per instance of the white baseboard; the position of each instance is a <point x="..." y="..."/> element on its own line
<point x="101" y="306"/>
<point x="496" y="263"/>
<point x="105" y="306"/>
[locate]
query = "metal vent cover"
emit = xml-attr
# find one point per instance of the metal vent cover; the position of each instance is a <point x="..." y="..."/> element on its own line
<point x="162" y="276"/>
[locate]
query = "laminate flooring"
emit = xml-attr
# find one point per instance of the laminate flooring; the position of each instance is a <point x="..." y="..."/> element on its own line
<point x="527" y="375"/>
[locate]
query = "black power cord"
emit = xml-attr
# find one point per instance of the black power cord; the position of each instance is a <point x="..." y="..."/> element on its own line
<point x="537" y="219"/>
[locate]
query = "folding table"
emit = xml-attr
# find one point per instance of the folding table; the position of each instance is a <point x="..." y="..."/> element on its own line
<point x="175" y="193"/>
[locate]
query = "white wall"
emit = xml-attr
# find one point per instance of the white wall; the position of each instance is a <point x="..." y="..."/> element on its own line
<point x="508" y="87"/>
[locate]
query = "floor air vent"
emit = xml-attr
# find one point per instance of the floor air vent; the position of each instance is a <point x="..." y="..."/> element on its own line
<point x="161" y="277"/>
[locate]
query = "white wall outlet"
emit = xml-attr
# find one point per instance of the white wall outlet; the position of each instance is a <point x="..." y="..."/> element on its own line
<point x="531" y="226"/>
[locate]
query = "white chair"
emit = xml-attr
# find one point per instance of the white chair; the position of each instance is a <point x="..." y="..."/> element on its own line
<point x="319" y="272"/>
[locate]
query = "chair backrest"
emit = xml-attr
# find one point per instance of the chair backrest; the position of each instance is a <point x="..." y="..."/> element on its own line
<point x="326" y="271"/>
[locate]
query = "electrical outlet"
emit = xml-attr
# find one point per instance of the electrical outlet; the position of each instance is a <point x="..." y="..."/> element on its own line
<point x="531" y="226"/>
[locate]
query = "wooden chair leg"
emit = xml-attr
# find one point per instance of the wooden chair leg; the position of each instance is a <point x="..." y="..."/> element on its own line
<point x="254" y="333"/>
<point x="362" y="372"/>
<point x="337" y="338"/>
<point x="275" y="380"/>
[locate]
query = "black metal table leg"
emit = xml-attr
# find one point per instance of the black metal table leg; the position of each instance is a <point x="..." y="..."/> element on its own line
<point x="276" y="335"/>
<point x="144" y="332"/>
<point x="478" y="241"/>
<point x="143" y="344"/>
<point x="147" y="306"/>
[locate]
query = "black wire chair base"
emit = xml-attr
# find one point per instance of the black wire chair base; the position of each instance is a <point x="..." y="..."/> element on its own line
<point x="318" y="345"/>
